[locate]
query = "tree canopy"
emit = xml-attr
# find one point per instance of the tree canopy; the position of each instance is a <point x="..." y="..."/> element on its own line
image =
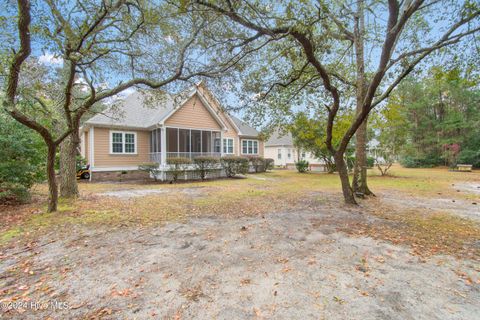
<point x="332" y="55"/>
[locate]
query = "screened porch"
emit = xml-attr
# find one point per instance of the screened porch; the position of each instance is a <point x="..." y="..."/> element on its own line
<point x="186" y="143"/>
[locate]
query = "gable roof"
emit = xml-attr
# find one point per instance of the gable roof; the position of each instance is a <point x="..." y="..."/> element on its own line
<point x="279" y="139"/>
<point x="188" y="94"/>
<point x="135" y="112"/>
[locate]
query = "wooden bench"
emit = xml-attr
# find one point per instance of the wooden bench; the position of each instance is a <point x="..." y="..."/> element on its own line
<point x="463" y="167"/>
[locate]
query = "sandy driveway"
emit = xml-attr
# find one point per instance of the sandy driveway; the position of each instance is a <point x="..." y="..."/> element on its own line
<point x="291" y="265"/>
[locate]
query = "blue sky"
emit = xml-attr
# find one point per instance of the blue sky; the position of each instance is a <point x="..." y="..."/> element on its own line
<point x="47" y="56"/>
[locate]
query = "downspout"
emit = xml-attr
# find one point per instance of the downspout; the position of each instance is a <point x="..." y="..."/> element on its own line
<point x="91" y="151"/>
<point x="163" y="151"/>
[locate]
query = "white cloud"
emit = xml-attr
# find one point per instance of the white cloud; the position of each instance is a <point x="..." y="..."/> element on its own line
<point x="82" y="83"/>
<point x="169" y="39"/>
<point x="50" y="59"/>
<point x="80" y="80"/>
<point x="120" y="96"/>
<point x="127" y="92"/>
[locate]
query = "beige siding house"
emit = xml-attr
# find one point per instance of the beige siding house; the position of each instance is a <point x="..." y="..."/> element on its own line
<point x="153" y="126"/>
<point x="281" y="149"/>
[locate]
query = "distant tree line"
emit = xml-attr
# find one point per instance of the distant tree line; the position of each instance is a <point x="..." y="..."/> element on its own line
<point x="434" y="120"/>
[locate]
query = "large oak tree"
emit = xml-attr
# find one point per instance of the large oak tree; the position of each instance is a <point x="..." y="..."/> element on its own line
<point x="106" y="47"/>
<point x="325" y="54"/>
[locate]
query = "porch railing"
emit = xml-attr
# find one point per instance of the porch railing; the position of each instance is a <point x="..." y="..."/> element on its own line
<point x="192" y="155"/>
<point x="157" y="156"/>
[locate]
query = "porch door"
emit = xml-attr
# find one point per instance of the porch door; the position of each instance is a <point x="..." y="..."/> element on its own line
<point x="207" y="142"/>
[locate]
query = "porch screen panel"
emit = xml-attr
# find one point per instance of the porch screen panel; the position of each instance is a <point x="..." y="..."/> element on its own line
<point x="184" y="140"/>
<point x="155" y="140"/>
<point x="206" y="141"/>
<point x="196" y="141"/>
<point x="152" y="141"/>
<point x="172" y="140"/>
<point x="217" y="146"/>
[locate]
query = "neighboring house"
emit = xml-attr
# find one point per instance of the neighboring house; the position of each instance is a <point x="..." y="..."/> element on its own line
<point x="374" y="150"/>
<point x="280" y="148"/>
<point x="146" y="128"/>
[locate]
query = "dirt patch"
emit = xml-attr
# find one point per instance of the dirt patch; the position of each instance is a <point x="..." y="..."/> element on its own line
<point x="253" y="176"/>
<point x="134" y="193"/>
<point x="470" y="187"/>
<point x="459" y="207"/>
<point x="282" y="265"/>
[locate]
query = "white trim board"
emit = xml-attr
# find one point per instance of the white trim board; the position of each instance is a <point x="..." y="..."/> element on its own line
<point x="106" y="169"/>
<point x="82" y="145"/>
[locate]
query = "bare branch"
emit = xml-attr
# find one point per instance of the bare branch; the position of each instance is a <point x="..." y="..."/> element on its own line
<point x="296" y="75"/>
<point x="19" y="57"/>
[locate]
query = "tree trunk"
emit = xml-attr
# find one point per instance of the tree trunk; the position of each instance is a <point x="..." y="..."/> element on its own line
<point x="343" y="173"/>
<point x="359" y="181"/>
<point x="52" y="183"/>
<point x="68" y="167"/>
<point x="329" y="164"/>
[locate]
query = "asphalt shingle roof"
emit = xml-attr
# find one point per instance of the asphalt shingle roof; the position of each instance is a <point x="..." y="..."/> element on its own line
<point x="279" y="139"/>
<point x="135" y="111"/>
<point x="143" y="109"/>
<point x="245" y="129"/>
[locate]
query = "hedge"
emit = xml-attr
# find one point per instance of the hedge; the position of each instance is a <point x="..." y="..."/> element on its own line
<point x="269" y="164"/>
<point x="302" y="166"/>
<point x="152" y="168"/>
<point x="179" y="165"/>
<point x="258" y="163"/>
<point x="234" y="165"/>
<point x="205" y="164"/>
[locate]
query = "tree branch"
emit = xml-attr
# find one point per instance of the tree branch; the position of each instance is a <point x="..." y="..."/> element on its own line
<point x="20" y="57"/>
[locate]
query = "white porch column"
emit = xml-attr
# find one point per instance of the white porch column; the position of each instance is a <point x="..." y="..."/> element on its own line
<point x="163" y="146"/>
<point x="163" y="152"/>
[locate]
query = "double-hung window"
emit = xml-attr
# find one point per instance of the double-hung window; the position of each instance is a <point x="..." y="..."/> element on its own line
<point x="279" y="154"/>
<point x="228" y="145"/>
<point x="249" y="146"/>
<point x="123" y="142"/>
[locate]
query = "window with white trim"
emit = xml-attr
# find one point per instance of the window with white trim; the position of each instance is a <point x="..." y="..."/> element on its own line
<point x="279" y="154"/>
<point x="289" y="155"/>
<point x="228" y="145"/>
<point x="250" y="146"/>
<point x="123" y="142"/>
